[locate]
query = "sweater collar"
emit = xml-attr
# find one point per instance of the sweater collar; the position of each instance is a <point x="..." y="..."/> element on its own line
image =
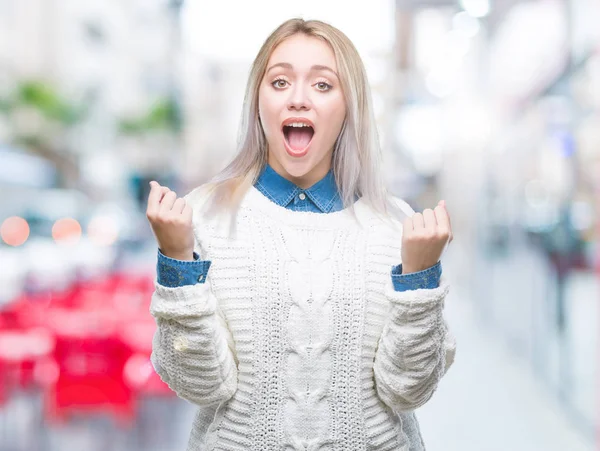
<point x="324" y="194"/>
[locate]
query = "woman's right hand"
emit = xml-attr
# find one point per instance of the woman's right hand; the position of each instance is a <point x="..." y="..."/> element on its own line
<point x="171" y="220"/>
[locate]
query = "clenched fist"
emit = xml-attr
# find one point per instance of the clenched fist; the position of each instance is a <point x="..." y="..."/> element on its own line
<point x="171" y="221"/>
<point x="424" y="238"/>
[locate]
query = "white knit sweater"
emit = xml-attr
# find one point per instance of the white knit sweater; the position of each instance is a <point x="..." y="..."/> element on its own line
<point x="297" y="339"/>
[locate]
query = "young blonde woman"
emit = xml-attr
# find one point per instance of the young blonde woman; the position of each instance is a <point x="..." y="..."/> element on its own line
<point x="298" y="304"/>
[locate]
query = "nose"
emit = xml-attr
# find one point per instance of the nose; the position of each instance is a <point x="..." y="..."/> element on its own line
<point x="299" y="99"/>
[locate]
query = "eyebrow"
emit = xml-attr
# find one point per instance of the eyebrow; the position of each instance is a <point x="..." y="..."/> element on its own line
<point x="316" y="67"/>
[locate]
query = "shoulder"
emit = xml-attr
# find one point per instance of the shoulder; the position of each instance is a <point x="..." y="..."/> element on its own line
<point x="199" y="197"/>
<point x="402" y="207"/>
<point x="201" y="201"/>
<point x="390" y="221"/>
<point x="397" y="210"/>
<point x="211" y="213"/>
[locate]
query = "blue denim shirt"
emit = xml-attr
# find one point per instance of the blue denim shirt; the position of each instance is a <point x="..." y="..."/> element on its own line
<point x="322" y="197"/>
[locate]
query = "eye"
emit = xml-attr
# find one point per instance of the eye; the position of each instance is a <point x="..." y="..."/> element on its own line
<point x="279" y="83"/>
<point x="323" y="86"/>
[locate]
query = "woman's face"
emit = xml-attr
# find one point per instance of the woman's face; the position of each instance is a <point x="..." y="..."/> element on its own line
<point x="301" y="108"/>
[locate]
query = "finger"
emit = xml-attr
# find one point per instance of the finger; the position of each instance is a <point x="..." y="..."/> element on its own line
<point x="154" y="198"/>
<point x="442" y="203"/>
<point x="442" y="217"/>
<point x="443" y="220"/>
<point x="449" y="221"/>
<point x="159" y="190"/>
<point x="167" y="203"/>
<point x="178" y="205"/>
<point x="418" y="221"/>
<point x="163" y="191"/>
<point x="429" y="219"/>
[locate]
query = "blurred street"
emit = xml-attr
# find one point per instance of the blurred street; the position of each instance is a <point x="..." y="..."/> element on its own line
<point x="490" y="400"/>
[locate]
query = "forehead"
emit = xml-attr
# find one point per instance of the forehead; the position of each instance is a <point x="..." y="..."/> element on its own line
<point x="303" y="52"/>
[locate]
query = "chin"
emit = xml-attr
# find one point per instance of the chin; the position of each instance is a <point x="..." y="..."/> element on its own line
<point x="298" y="169"/>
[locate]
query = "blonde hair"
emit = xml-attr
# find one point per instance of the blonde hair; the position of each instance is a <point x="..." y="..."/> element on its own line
<point x="357" y="154"/>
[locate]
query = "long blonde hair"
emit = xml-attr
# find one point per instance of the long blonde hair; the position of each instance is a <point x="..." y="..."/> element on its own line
<point x="357" y="154"/>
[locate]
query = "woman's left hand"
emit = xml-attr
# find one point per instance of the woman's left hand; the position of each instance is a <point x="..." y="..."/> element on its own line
<point x="424" y="238"/>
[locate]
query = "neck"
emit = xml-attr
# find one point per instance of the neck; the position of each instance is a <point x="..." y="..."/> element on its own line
<point x="307" y="180"/>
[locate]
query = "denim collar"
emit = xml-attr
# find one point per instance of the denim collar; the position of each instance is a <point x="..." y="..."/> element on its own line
<point x="324" y="194"/>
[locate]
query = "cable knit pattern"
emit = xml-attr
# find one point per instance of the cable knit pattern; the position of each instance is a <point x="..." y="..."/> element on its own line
<point x="310" y="277"/>
<point x="297" y="340"/>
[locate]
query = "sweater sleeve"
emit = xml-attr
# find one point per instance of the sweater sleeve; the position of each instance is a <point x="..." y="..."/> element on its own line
<point x="193" y="349"/>
<point x="415" y="348"/>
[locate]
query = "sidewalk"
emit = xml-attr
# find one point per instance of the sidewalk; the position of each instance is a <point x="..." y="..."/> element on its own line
<point x="489" y="400"/>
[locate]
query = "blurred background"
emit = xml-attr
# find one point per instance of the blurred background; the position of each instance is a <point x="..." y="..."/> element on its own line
<point x="493" y="105"/>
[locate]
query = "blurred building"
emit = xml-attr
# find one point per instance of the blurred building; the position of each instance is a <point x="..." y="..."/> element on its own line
<point x="113" y="60"/>
<point x="212" y="100"/>
<point x="498" y="109"/>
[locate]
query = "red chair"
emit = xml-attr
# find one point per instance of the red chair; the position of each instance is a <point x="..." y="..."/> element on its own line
<point x="4" y="386"/>
<point x="21" y="350"/>
<point x="90" y="360"/>
<point x="139" y="372"/>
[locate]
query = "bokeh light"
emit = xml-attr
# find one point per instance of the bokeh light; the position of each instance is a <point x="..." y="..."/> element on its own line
<point x="14" y="231"/>
<point x="103" y="230"/>
<point x="66" y="230"/>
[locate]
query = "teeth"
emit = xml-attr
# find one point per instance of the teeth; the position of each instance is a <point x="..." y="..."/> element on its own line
<point x="298" y="124"/>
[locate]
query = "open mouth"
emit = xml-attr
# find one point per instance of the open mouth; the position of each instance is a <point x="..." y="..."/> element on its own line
<point x="298" y="136"/>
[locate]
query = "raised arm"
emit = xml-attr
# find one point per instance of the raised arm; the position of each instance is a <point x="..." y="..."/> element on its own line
<point x="416" y="349"/>
<point x="192" y="349"/>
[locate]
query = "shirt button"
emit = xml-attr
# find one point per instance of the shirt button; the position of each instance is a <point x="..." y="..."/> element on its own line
<point x="201" y="278"/>
<point x="302" y="196"/>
